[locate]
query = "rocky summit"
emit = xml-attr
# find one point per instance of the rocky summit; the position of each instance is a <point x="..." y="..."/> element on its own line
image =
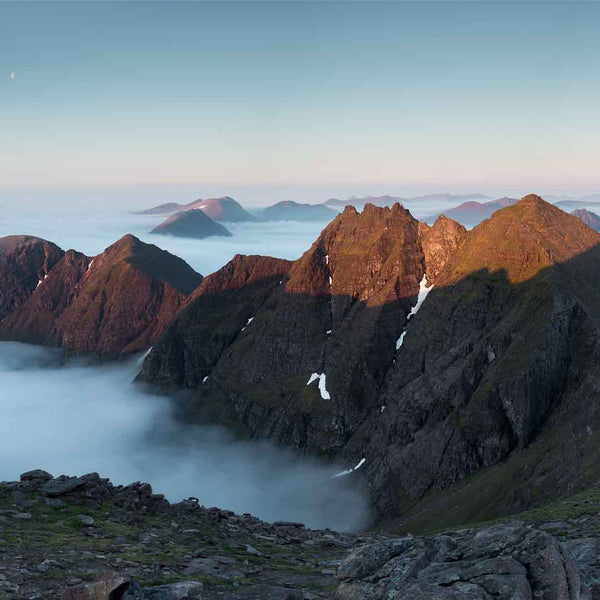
<point x="113" y="304"/>
<point x="84" y="538"/>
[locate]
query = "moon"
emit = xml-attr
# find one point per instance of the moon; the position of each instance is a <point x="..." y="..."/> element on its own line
<point x="13" y="75"/>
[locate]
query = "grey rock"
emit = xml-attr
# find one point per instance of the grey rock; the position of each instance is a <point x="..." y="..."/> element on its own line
<point x="185" y="590"/>
<point x="53" y="502"/>
<point x="85" y="520"/>
<point x="215" y="566"/>
<point x="288" y="524"/>
<point x="22" y="516"/>
<point x="44" y="566"/>
<point x="36" y="475"/>
<point x="504" y="562"/>
<point x="20" y="499"/>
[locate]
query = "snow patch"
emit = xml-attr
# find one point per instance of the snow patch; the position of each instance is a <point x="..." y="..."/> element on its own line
<point x="327" y="259"/>
<point x="205" y="379"/>
<point x="423" y="291"/>
<point x="330" y="281"/>
<point x="90" y="265"/>
<point x="351" y="470"/>
<point x="312" y="378"/>
<point x="322" y="384"/>
<point x="329" y="332"/>
<point x="400" y="340"/>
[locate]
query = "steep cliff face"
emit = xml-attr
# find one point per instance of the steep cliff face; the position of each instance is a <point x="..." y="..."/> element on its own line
<point x="116" y="303"/>
<point x="298" y="351"/>
<point x="24" y="262"/>
<point x="36" y="321"/>
<point x="507" y="337"/>
<point x="215" y="316"/>
<point x="440" y="243"/>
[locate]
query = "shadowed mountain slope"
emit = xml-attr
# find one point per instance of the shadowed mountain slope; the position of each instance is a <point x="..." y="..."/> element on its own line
<point x="115" y="303"/>
<point x="506" y="342"/>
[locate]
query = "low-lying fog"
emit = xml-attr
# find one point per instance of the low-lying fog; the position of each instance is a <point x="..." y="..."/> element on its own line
<point x="94" y="230"/>
<point x="76" y="418"/>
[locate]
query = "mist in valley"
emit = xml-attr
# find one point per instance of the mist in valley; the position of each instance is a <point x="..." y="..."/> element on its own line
<point x="76" y="418"/>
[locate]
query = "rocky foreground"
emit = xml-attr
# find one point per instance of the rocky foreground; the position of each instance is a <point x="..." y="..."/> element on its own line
<point x="83" y="538"/>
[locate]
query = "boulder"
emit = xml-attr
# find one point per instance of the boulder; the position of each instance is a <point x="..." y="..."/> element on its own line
<point x="37" y="475"/>
<point x="108" y="586"/>
<point x="504" y="562"/>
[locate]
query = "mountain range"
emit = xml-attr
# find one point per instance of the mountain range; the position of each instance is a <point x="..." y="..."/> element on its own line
<point x="455" y="371"/>
<point x="110" y="305"/>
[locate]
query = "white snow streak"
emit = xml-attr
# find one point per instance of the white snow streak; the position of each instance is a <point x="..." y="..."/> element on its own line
<point x="90" y="265"/>
<point x="42" y="280"/>
<point x="205" y="379"/>
<point x="423" y="291"/>
<point x="400" y="340"/>
<point x="248" y="323"/>
<point x="312" y="378"/>
<point x="348" y="471"/>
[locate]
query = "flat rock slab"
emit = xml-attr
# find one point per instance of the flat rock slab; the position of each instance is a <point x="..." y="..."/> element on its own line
<point x="504" y="562"/>
<point x="185" y="590"/>
<point x="67" y="485"/>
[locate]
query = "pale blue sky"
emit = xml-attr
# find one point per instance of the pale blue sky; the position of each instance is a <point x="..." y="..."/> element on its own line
<point x="453" y="95"/>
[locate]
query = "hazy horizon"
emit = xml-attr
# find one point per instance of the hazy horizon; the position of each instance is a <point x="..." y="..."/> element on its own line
<point x="128" y="198"/>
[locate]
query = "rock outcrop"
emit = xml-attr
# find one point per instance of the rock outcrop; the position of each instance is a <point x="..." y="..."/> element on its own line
<point x="113" y="304"/>
<point x="507" y="562"/>
<point x="84" y="538"/>
<point x="191" y="223"/>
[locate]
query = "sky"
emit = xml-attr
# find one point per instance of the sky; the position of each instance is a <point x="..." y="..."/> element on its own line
<point x="294" y="96"/>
